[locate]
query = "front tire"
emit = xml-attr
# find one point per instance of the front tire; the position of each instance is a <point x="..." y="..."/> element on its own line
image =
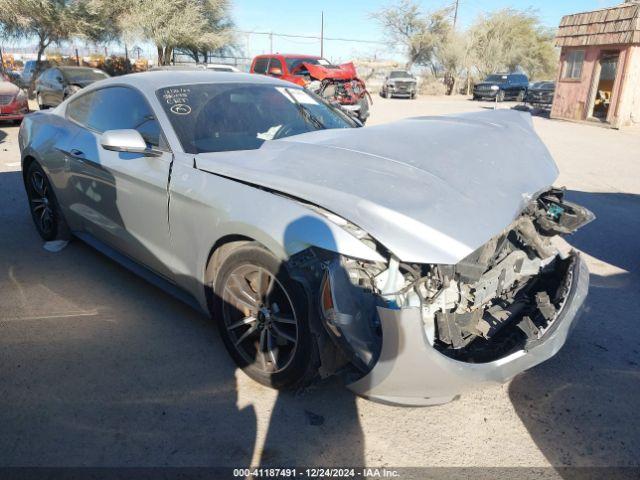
<point x="263" y="320"/>
<point x="500" y="96"/>
<point x="41" y="105"/>
<point x="43" y="205"/>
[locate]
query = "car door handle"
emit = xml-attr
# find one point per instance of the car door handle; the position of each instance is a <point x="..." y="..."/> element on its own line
<point x="78" y="154"/>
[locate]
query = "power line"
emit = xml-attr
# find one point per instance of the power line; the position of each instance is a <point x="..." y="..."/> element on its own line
<point x="312" y="37"/>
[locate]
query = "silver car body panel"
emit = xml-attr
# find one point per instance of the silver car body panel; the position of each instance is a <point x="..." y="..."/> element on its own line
<point x="430" y="189"/>
<point x="413" y="185"/>
<point x="411" y="372"/>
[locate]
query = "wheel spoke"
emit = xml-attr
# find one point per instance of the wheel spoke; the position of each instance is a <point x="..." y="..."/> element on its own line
<point x="37" y="182"/>
<point x="244" y="321"/>
<point x="282" y="334"/>
<point x="272" y="349"/>
<point x="283" y="319"/>
<point x="246" y="334"/>
<point x="243" y="290"/>
<point x="262" y="348"/>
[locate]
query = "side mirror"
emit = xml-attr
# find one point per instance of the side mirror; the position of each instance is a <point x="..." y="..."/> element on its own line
<point x="275" y="71"/>
<point x="129" y="141"/>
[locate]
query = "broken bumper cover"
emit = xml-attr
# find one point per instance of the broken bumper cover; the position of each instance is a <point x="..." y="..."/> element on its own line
<point x="410" y="371"/>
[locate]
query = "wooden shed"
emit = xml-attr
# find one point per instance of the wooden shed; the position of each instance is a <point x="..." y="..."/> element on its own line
<point x="599" y="74"/>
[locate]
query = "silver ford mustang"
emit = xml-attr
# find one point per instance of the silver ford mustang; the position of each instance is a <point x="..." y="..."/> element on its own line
<point x="415" y="259"/>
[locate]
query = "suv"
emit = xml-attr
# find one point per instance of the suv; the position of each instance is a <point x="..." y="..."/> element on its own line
<point x="30" y="69"/>
<point x="399" y="83"/>
<point x="502" y="87"/>
<point x="339" y="84"/>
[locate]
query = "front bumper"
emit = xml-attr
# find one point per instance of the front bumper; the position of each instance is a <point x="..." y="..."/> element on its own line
<point x="411" y="372"/>
<point x="485" y="93"/>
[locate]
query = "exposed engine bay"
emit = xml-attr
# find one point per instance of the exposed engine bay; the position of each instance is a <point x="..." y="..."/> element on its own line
<point x="502" y="298"/>
<point x="337" y="84"/>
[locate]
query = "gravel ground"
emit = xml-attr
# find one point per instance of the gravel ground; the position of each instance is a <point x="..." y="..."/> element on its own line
<point x="99" y="368"/>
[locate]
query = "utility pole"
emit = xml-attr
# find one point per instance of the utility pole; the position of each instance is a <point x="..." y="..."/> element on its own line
<point x="271" y="42"/>
<point x="322" y="34"/>
<point x="455" y="13"/>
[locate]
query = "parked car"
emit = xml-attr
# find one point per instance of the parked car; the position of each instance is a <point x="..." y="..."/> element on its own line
<point x="14" y="104"/>
<point x="510" y="86"/>
<point x="336" y="83"/>
<point x="57" y="83"/>
<point x="540" y="94"/>
<point x="29" y="70"/>
<point x="317" y="246"/>
<point x="219" y="67"/>
<point x="399" y="83"/>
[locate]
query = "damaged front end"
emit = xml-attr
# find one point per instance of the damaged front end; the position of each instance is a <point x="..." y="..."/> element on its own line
<point x="422" y="334"/>
<point x="339" y="85"/>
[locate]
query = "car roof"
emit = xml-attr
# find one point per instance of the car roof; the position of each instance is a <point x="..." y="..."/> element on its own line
<point x="69" y="67"/>
<point x="288" y="55"/>
<point x="169" y="78"/>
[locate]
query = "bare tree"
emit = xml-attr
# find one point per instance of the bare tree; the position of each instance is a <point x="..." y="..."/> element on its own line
<point x="421" y="34"/>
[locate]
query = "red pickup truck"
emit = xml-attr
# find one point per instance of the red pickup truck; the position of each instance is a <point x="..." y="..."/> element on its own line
<point x="336" y="83"/>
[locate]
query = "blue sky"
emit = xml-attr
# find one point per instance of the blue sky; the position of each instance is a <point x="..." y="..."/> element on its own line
<point x="350" y="18"/>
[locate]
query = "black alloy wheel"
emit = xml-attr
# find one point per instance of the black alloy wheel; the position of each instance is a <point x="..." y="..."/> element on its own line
<point x="262" y="318"/>
<point x="42" y="203"/>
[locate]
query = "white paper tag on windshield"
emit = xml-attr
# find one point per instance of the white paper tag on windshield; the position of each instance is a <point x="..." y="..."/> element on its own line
<point x="299" y="95"/>
<point x="269" y="134"/>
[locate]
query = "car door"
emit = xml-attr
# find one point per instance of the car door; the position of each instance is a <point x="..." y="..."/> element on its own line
<point x="56" y="80"/>
<point x="122" y="197"/>
<point x="42" y="85"/>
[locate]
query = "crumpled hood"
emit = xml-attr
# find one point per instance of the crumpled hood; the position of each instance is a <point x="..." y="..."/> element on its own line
<point x="8" y="88"/>
<point x="430" y="189"/>
<point x="346" y="71"/>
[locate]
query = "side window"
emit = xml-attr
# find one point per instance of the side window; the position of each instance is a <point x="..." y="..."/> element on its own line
<point x="261" y="66"/>
<point x="53" y="76"/>
<point x="78" y="110"/>
<point x="276" y="63"/>
<point x="116" y="108"/>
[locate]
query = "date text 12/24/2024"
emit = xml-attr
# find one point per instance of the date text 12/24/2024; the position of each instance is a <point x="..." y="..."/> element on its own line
<point x="315" y="472"/>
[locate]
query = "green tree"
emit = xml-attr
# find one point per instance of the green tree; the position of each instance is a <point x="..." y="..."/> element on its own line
<point x="196" y="25"/>
<point x="507" y="39"/>
<point x="215" y="37"/>
<point x="46" y="21"/>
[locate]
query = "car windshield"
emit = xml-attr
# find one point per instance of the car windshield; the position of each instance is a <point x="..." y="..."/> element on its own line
<point x="231" y="116"/>
<point x="83" y="74"/>
<point x="293" y="63"/>
<point x="496" y="78"/>
<point x="399" y="75"/>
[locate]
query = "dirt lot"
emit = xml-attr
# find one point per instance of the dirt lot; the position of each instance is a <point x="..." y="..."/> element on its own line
<point x="100" y="368"/>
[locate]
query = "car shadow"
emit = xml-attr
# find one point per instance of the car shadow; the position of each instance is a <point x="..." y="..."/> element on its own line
<point x="578" y="404"/>
<point x="104" y="369"/>
<point x="3" y="135"/>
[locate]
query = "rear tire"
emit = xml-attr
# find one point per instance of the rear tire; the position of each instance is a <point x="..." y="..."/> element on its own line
<point x="44" y="207"/>
<point x="520" y="97"/>
<point x="263" y="319"/>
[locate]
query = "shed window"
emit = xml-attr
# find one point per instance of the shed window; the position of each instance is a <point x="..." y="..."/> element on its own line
<point x="573" y="65"/>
